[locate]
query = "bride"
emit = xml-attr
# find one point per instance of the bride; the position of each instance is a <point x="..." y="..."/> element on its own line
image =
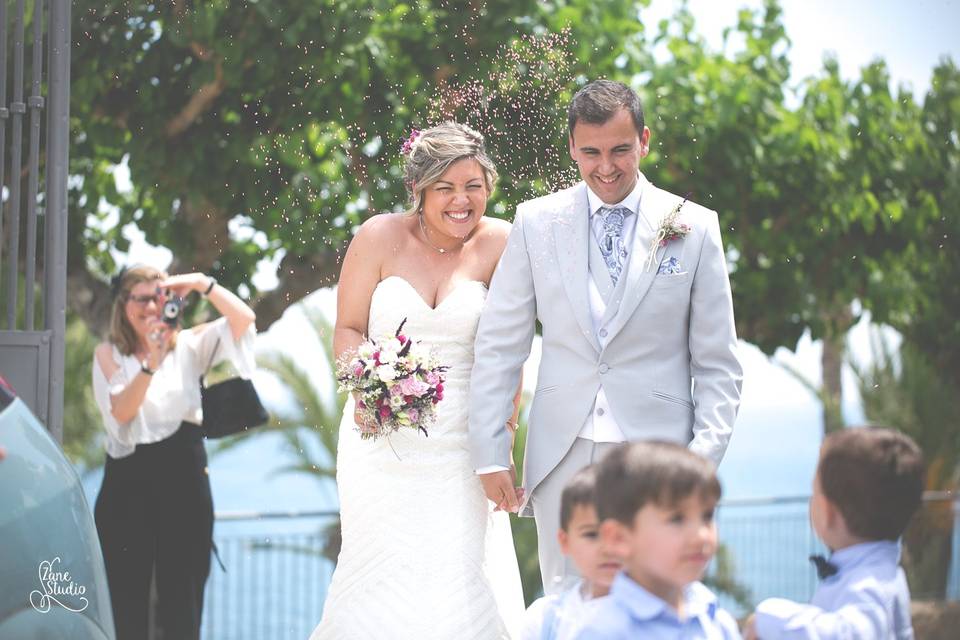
<point x="424" y="554"/>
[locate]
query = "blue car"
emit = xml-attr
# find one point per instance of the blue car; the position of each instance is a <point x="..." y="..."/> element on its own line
<point x="52" y="579"/>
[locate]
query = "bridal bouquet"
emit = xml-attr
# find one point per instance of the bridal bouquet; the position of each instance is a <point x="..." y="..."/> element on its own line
<point x="398" y="383"/>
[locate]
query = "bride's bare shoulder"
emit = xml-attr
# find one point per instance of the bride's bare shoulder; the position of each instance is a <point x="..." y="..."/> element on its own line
<point x="494" y="229"/>
<point x="493" y="234"/>
<point x="381" y="227"/>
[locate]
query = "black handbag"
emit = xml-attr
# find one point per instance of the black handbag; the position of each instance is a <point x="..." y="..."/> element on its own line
<point x="230" y="406"/>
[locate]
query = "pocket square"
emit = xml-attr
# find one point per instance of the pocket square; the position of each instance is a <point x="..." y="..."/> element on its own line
<point x="670" y="267"/>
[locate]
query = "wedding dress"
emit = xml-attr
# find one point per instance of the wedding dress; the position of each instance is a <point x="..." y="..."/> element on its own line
<point x="423" y="554"/>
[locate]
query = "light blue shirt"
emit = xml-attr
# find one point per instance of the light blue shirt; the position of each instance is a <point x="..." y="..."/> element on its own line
<point x="867" y="598"/>
<point x="633" y="612"/>
<point x="559" y="616"/>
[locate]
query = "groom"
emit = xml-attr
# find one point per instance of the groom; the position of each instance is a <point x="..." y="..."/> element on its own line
<point x="635" y="346"/>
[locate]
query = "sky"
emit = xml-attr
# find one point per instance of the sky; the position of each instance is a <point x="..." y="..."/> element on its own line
<point x="912" y="37"/>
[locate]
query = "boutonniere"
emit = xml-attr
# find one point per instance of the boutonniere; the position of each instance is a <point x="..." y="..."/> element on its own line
<point x="671" y="228"/>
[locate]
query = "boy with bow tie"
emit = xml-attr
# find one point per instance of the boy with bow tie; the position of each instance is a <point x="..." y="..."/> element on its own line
<point x="868" y="484"/>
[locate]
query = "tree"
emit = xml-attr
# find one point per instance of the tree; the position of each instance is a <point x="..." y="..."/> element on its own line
<point x="819" y="203"/>
<point x="930" y="321"/>
<point x="268" y="130"/>
<point x="251" y="135"/>
<point x="83" y="426"/>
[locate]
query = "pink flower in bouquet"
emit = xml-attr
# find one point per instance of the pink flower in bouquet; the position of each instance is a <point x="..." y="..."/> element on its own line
<point x="397" y="390"/>
<point x="357" y="369"/>
<point x="413" y="415"/>
<point x="384" y="412"/>
<point x="432" y="379"/>
<point x="411" y="386"/>
<point x="376" y="358"/>
<point x="402" y="338"/>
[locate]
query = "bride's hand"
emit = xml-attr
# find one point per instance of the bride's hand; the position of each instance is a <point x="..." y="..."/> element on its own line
<point x="361" y="419"/>
<point x="521" y="492"/>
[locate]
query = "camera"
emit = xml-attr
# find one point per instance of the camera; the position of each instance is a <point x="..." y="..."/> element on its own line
<point x="171" y="311"/>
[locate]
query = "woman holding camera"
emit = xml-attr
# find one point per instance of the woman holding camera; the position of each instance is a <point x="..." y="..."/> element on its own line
<point x="154" y="513"/>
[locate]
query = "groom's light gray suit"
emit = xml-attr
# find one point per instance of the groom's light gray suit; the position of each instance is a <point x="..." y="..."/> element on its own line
<point x="663" y="352"/>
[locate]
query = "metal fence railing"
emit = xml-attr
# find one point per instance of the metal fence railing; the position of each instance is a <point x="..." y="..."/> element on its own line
<point x="277" y="572"/>
<point x="275" y="578"/>
<point x="34" y="140"/>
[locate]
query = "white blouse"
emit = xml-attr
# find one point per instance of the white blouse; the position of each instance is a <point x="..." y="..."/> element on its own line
<point x="174" y="392"/>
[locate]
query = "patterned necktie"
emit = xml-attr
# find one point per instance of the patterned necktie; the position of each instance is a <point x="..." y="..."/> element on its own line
<point x="612" y="248"/>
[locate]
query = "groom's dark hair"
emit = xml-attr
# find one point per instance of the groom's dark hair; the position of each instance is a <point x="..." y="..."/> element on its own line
<point x="663" y="473"/>
<point x="874" y="477"/>
<point x="600" y="100"/>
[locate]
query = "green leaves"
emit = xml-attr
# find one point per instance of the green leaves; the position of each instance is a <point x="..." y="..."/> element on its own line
<point x="293" y="114"/>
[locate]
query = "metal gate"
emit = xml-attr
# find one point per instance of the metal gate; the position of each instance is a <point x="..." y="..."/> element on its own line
<point x="34" y="109"/>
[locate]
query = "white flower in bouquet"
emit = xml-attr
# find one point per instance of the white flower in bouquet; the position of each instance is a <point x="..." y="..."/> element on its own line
<point x="399" y="381"/>
<point x="386" y="373"/>
<point x="419" y="354"/>
<point x="391" y="346"/>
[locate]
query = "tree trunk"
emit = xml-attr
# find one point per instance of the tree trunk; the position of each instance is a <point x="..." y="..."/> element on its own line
<point x="837" y="322"/>
<point x="831" y="391"/>
<point x="928" y="550"/>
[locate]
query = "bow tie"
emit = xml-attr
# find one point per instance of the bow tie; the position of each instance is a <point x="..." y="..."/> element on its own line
<point x="825" y="568"/>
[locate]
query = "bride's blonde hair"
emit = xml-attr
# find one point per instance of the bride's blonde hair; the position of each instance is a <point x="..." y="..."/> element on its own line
<point x="432" y="153"/>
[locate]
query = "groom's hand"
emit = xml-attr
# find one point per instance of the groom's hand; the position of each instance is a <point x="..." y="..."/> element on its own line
<point x="500" y="490"/>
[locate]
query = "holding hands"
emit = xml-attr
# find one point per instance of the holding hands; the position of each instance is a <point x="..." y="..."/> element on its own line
<point x="501" y="486"/>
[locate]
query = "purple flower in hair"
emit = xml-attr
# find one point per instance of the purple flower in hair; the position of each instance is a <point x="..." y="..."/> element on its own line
<point x="408" y="143"/>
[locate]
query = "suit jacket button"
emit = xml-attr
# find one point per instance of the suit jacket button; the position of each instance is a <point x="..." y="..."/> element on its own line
<point x="604" y="367"/>
<point x="603" y="333"/>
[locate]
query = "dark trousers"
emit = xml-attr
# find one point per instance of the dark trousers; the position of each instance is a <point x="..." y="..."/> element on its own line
<point x="154" y="514"/>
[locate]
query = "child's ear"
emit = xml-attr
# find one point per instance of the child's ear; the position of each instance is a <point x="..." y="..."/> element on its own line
<point x="564" y="539"/>
<point x="835" y="519"/>
<point x="614" y="536"/>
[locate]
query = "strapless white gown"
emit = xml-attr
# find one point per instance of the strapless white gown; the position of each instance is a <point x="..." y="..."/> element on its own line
<point x="423" y="555"/>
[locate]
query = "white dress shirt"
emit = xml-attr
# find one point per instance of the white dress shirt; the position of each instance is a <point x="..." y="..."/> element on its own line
<point x="601" y="424"/>
<point x="174" y="392"/>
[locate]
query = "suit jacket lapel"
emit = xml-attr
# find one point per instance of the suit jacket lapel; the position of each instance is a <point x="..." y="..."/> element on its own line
<point x="654" y="204"/>
<point x="571" y="232"/>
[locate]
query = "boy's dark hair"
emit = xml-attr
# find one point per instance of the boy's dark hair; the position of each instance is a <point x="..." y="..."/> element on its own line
<point x="580" y="491"/>
<point x="874" y="476"/>
<point x="663" y="473"/>
<point x="600" y="100"/>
